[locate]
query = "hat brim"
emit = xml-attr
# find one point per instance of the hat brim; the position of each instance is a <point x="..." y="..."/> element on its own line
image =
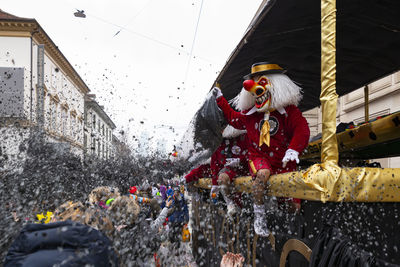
<point x="251" y="75"/>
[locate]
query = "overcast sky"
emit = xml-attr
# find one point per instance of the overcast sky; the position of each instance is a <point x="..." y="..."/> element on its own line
<point x="134" y="55"/>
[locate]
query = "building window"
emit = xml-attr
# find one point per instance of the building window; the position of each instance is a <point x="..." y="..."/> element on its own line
<point x="80" y="130"/>
<point x="64" y="122"/>
<point x="74" y="129"/>
<point x="93" y="146"/>
<point x="54" y="116"/>
<point x="94" y="122"/>
<point x="85" y="142"/>
<point x="55" y="77"/>
<point x="47" y="113"/>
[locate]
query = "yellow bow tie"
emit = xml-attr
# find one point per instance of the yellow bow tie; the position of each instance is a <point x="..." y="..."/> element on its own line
<point x="264" y="134"/>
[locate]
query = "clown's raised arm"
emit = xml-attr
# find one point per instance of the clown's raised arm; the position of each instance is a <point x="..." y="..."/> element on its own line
<point x="234" y="118"/>
<point x="297" y="125"/>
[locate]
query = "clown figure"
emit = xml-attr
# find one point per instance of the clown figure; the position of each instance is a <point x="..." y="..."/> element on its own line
<point x="276" y="129"/>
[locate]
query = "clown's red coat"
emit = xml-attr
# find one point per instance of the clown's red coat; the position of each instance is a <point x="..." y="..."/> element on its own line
<point x="201" y="171"/>
<point x="233" y="148"/>
<point x="229" y="150"/>
<point x="288" y="130"/>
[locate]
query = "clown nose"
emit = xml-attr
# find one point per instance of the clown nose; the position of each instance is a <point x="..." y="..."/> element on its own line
<point x="248" y="84"/>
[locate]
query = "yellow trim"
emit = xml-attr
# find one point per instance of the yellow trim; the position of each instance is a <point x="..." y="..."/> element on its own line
<point x="272" y="242"/>
<point x="366" y="103"/>
<point x="254" y="250"/>
<point x="297" y="245"/>
<point x="73" y="113"/>
<point x="248" y="242"/>
<point x="264" y="134"/>
<point x="327" y="182"/>
<point x="265" y="67"/>
<point x="253" y="168"/>
<point x="15" y="34"/>
<point x="385" y="129"/>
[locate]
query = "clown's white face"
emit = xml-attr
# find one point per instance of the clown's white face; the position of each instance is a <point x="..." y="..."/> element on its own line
<point x="260" y="87"/>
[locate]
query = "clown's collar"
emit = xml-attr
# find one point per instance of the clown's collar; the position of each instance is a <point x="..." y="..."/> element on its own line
<point x="254" y="109"/>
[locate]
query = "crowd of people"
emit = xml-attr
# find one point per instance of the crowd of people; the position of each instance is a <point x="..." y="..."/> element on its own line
<point x="134" y="228"/>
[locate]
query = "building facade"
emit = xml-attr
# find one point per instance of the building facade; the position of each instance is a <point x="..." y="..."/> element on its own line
<point x="39" y="89"/>
<point x="98" y="132"/>
<point x="383" y="97"/>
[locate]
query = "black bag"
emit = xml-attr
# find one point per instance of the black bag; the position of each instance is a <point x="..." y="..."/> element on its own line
<point x="204" y="133"/>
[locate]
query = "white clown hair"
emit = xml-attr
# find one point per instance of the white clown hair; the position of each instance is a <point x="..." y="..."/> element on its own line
<point x="231" y="132"/>
<point x="284" y="92"/>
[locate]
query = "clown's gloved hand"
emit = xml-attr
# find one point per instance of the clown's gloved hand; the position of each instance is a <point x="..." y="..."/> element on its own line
<point x="216" y="92"/>
<point x="290" y="155"/>
<point x="232" y="162"/>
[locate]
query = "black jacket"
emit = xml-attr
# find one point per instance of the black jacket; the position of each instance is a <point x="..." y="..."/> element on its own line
<point x="63" y="243"/>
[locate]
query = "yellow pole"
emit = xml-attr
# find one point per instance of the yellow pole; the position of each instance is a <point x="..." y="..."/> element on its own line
<point x="366" y="106"/>
<point x="328" y="97"/>
<point x="366" y="103"/>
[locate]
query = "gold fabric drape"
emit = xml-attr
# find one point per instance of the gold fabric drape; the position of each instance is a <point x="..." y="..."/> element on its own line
<point x="327" y="182"/>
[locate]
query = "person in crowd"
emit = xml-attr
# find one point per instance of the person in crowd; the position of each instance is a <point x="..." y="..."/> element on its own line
<point x="100" y="195"/>
<point x="163" y="191"/>
<point x="277" y="131"/>
<point x="179" y="216"/>
<point x="155" y="207"/>
<point x="133" y="190"/>
<point x="92" y="216"/>
<point x="145" y="190"/>
<point x="154" y="191"/>
<point x="232" y="260"/>
<point x="157" y="196"/>
<point x="137" y="235"/>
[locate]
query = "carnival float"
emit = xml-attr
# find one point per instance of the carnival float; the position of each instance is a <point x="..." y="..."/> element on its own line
<point x="349" y="215"/>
